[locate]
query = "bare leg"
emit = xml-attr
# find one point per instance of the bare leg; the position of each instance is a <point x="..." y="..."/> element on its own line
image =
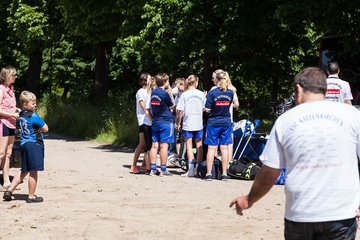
<point x="189" y="151"/>
<point x="210" y="158"/>
<point x="18" y="178"/>
<point x="153" y="152"/>
<point x="164" y="153"/>
<point x="4" y="141"/>
<point x="6" y="165"/>
<point x="199" y="150"/>
<point x="33" y="177"/>
<point x="139" y="148"/>
<point x="224" y="157"/>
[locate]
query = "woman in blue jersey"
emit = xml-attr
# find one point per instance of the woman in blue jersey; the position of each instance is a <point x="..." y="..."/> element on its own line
<point x="161" y="105"/>
<point x="219" y="126"/>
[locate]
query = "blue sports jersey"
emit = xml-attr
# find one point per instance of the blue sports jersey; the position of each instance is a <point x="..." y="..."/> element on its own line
<point x="160" y="102"/>
<point x="28" y="125"/>
<point x="218" y="102"/>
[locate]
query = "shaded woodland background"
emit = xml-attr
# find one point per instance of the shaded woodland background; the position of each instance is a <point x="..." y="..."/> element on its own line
<point x="83" y="58"/>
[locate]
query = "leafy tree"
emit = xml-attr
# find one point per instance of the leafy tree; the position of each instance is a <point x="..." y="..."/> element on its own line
<point x="98" y="23"/>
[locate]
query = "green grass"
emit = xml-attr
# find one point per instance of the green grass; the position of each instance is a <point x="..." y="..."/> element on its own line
<point x="112" y="121"/>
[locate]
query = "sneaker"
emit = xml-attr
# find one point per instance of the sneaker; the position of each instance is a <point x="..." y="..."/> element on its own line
<point x="134" y="170"/>
<point x="188" y="174"/>
<point x="7" y="196"/>
<point x="34" y="200"/>
<point x="148" y="172"/>
<point x="208" y="177"/>
<point x="165" y="174"/>
<point x="154" y="173"/>
<point x="143" y="169"/>
<point x="225" y="178"/>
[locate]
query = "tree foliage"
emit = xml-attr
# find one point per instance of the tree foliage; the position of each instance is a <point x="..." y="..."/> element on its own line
<point x="79" y="49"/>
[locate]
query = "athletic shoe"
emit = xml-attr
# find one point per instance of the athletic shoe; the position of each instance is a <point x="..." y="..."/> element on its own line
<point x="134" y="170"/>
<point x="208" y="177"/>
<point x="165" y="174"/>
<point x="225" y="178"/>
<point x="7" y="196"/>
<point x="143" y="168"/>
<point x="34" y="200"/>
<point x="154" y="173"/>
<point x="188" y="174"/>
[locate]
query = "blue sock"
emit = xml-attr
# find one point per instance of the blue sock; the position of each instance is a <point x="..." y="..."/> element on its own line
<point x="163" y="167"/>
<point x="153" y="167"/>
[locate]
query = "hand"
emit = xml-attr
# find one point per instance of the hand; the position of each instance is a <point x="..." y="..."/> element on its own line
<point x="15" y="116"/>
<point x="17" y="110"/>
<point x="205" y="92"/>
<point x="241" y="203"/>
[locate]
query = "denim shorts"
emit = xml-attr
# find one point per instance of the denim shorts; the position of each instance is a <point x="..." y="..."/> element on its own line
<point x="334" y="230"/>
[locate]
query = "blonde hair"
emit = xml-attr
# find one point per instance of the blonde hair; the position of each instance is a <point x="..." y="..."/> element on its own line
<point x="223" y="80"/>
<point x="190" y="81"/>
<point x="5" y="73"/>
<point x="26" y="97"/>
<point x="151" y="85"/>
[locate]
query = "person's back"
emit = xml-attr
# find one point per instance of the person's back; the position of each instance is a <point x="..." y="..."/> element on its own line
<point x="160" y="103"/>
<point x="337" y="90"/>
<point x="192" y="102"/>
<point x="320" y="143"/>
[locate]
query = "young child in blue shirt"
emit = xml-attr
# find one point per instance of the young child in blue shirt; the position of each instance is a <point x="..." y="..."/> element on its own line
<point x="161" y="105"/>
<point x="31" y="127"/>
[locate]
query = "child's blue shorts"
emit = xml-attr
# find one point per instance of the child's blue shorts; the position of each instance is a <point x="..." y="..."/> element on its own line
<point x="32" y="155"/>
<point x="193" y="134"/>
<point x="163" y="133"/>
<point x="218" y="135"/>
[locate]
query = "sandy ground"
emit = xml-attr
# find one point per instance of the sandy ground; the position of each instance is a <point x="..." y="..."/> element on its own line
<point x="89" y="194"/>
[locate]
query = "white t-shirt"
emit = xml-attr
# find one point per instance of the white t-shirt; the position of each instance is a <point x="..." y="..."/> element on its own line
<point x="337" y="89"/>
<point x="141" y="95"/>
<point x="318" y="143"/>
<point x="192" y="102"/>
<point x="147" y="120"/>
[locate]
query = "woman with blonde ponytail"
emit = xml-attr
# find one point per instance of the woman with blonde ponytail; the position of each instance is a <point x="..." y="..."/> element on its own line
<point x="219" y="126"/>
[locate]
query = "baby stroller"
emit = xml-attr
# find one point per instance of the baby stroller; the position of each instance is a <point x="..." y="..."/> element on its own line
<point x="248" y="146"/>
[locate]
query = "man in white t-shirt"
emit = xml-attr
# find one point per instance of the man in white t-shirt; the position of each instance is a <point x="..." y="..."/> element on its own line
<point x="319" y="142"/>
<point x="337" y="90"/>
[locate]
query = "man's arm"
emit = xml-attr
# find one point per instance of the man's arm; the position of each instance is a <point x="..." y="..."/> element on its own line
<point x="263" y="182"/>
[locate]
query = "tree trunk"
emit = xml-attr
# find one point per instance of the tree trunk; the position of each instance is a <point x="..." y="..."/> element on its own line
<point x="34" y="70"/>
<point x="101" y="81"/>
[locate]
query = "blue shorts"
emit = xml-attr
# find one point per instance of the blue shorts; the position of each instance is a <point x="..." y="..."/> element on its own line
<point x="193" y="134"/>
<point x="163" y="133"/>
<point x="32" y="157"/>
<point x="218" y="135"/>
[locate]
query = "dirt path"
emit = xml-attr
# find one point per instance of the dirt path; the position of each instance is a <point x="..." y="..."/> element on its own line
<point x="89" y="194"/>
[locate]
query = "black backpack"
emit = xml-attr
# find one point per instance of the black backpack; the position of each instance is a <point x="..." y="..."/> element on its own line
<point x="243" y="168"/>
<point x="216" y="171"/>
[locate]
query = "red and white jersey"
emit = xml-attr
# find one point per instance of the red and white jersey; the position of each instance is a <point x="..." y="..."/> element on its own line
<point x="337" y="90"/>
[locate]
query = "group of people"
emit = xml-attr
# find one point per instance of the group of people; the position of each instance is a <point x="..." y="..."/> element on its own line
<point x="30" y="127"/>
<point x="164" y="113"/>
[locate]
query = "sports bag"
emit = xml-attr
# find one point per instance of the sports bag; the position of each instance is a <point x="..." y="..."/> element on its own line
<point x="243" y="169"/>
<point x="216" y="171"/>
